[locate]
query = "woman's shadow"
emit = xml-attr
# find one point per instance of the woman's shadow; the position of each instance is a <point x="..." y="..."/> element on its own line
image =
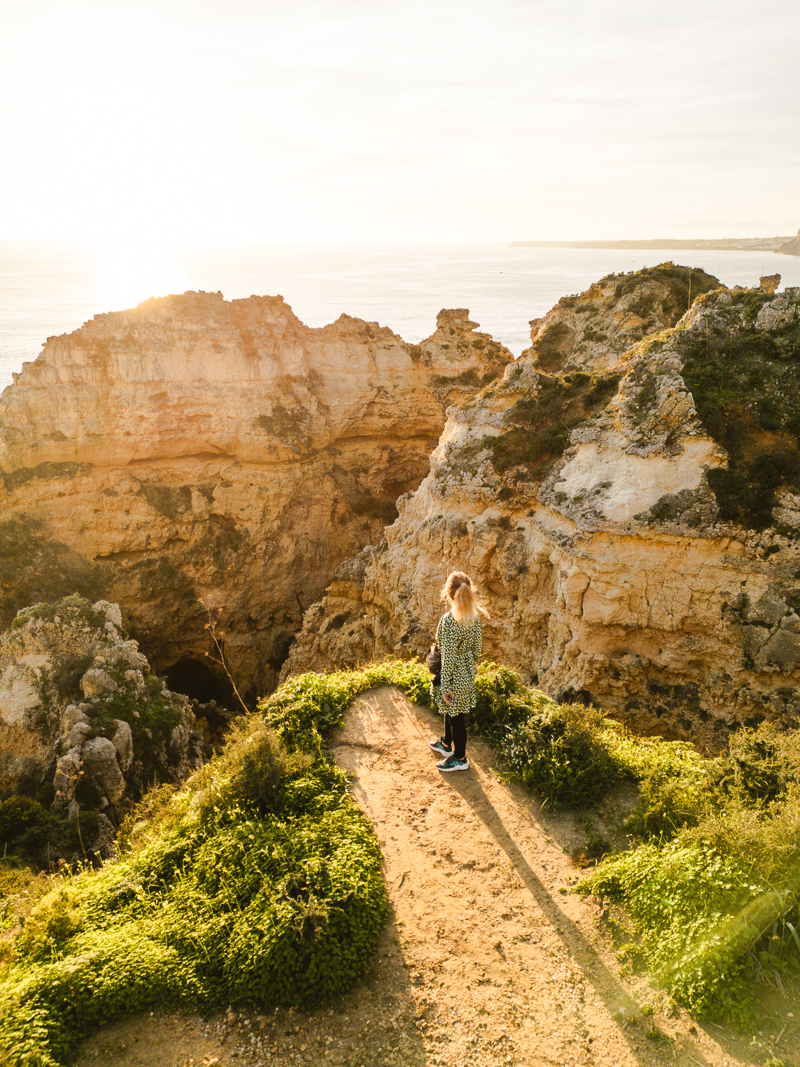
<point x="618" y="1002"/>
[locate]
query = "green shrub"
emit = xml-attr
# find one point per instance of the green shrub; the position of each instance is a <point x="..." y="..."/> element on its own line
<point x="31" y="834"/>
<point x="17" y="815"/>
<point x="685" y="285"/>
<point x="697" y="912"/>
<point x="257" y="882"/>
<point x="716" y="893"/>
<point x="541" y="423"/>
<point x="746" y="387"/>
<point x="761" y="766"/>
<point x="503" y="702"/>
<point x="673" y="781"/>
<point x="313" y="703"/>
<point x="559" y="753"/>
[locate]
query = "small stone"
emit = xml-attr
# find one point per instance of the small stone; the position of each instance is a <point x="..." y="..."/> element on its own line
<point x="97" y="682"/>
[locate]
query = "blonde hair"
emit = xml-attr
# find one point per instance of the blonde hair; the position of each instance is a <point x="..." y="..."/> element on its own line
<point x="458" y="594"/>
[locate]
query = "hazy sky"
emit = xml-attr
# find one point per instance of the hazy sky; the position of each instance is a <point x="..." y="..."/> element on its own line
<point x="382" y="121"/>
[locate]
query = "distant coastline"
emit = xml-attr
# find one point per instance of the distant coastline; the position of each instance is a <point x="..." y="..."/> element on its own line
<point x="732" y="244"/>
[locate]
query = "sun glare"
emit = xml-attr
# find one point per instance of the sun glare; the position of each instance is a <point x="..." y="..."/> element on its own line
<point x="134" y="270"/>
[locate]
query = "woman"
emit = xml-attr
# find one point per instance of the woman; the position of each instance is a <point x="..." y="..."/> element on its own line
<point x="459" y="639"/>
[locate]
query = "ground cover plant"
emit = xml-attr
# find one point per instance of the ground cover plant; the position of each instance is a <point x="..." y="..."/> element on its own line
<point x="711" y="878"/>
<point x="712" y="884"/>
<point x="258" y="881"/>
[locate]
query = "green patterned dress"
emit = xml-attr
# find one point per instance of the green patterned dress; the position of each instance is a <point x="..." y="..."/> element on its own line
<point x="460" y="646"/>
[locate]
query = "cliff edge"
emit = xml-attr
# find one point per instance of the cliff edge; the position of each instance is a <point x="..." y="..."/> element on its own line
<point x="632" y="514"/>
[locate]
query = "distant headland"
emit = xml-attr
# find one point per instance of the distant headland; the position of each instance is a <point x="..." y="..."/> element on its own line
<point x="789" y="246"/>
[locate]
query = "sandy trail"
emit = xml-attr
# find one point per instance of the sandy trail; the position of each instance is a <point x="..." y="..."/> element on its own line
<point x="487" y="958"/>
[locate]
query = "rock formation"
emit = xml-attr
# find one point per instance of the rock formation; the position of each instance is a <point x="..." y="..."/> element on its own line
<point x="593" y="330"/>
<point x="81" y="712"/>
<point x="769" y="282"/>
<point x="197" y="460"/>
<point x="791" y="248"/>
<point x="632" y="516"/>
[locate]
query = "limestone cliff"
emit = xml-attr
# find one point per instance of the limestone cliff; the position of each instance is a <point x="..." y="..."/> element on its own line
<point x="632" y="519"/>
<point x="195" y="458"/>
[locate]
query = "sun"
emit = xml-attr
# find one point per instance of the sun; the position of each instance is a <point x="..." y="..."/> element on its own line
<point x="134" y="269"/>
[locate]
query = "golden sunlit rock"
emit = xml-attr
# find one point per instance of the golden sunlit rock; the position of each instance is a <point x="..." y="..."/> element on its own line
<point x="195" y="458"/>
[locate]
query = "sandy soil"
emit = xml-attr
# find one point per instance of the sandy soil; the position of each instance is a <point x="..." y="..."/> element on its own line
<point x="488" y="959"/>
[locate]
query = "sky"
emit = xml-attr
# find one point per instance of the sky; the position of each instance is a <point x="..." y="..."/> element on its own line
<point x="397" y="121"/>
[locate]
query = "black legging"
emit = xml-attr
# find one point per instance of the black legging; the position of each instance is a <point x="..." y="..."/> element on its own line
<point x="455" y="734"/>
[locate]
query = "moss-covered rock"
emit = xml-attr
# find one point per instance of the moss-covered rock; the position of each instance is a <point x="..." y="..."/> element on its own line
<point x="592" y="331"/>
<point x="84" y="724"/>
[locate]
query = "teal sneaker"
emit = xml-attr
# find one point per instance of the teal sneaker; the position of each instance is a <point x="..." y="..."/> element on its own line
<point x="452" y="763"/>
<point x="439" y="746"/>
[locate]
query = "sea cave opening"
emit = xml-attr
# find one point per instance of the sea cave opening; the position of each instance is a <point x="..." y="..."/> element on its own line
<point x="196" y="680"/>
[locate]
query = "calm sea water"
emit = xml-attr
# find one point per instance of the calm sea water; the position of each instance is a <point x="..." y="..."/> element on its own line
<point x="48" y="289"/>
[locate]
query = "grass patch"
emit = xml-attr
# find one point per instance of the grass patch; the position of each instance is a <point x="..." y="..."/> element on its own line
<point x="714" y="886"/>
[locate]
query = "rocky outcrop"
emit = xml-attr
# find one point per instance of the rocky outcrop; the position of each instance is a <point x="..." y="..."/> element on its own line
<point x="633" y="520"/>
<point x="202" y="462"/>
<point x="80" y="711"/>
<point x="791" y="248"/>
<point x="593" y="330"/>
<point x="769" y="282"/>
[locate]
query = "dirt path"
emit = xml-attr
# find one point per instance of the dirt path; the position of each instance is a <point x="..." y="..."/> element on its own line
<point x="487" y="959"/>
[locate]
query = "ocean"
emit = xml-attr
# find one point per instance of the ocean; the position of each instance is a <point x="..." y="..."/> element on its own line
<point x="50" y="289"/>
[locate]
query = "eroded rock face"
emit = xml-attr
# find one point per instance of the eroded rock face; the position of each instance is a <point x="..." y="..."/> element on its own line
<point x="634" y="524"/>
<point x="200" y="460"/>
<point x="80" y="708"/>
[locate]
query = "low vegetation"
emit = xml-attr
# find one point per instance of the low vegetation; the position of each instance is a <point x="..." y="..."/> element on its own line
<point x="685" y="284"/>
<point x="258" y="881"/>
<point x="541" y="424"/>
<point x="746" y="388"/>
<point x="710" y="880"/>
